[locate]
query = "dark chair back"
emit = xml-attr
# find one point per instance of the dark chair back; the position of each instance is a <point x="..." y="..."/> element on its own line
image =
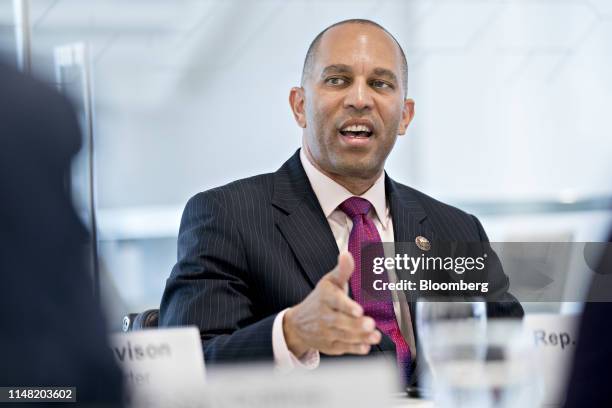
<point x="138" y="321"/>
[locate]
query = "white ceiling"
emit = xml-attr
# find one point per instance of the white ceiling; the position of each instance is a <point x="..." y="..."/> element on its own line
<point x="509" y="90"/>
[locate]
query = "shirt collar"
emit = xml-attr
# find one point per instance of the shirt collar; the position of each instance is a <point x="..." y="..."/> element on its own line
<point x="331" y="194"/>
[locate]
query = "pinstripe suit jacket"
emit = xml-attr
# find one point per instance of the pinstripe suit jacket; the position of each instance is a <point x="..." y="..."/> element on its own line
<point x="250" y="249"/>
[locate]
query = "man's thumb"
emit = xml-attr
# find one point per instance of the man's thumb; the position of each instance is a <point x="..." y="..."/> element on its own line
<point x="343" y="271"/>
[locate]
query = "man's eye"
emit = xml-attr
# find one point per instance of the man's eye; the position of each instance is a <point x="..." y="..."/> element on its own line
<point x="336" y="81"/>
<point x="381" y="84"/>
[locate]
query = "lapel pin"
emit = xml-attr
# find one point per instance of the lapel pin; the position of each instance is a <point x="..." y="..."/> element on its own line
<point x="423" y="243"/>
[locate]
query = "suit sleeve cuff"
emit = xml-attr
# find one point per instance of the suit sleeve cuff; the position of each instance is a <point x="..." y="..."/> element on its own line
<point x="285" y="360"/>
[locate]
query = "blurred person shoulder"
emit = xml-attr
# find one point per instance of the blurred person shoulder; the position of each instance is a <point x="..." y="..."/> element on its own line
<point x="28" y="106"/>
<point x="54" y="332"/>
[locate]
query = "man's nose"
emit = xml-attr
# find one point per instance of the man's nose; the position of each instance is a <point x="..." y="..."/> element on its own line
<point x="359" y="96"/>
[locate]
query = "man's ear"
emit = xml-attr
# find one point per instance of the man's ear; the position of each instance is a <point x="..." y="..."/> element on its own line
<point x="296" y="101"/>
<point x="407" y="115"/>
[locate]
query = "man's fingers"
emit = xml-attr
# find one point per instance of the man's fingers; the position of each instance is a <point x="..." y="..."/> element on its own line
<point x="340" y="347"/>
<point x="348" y="329"/>
<point x="360" y="326"/>
<point x="341" y="274"/>
<point x="339" y="301"/>
<point x="353" y="337"/>
<point x="346" y="266"/>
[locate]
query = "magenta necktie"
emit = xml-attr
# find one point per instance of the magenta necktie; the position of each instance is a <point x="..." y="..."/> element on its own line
<point x="381" y="309"/>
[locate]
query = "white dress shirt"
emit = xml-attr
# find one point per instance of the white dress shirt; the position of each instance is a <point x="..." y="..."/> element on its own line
<point x="330" y="195"/>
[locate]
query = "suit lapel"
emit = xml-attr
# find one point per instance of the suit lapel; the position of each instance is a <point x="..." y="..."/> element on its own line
<point x="409" y="221"/>
<point x="302" y="222"/>
<point x="407" y="213"/>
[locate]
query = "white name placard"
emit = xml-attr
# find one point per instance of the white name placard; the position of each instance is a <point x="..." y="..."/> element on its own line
<point x="554" y="339"/>
<point x="161" y="366"/>
<point x="335" y="384"/>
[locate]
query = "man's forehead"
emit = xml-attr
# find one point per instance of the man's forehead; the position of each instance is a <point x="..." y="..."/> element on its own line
<point x="351" y="43"/>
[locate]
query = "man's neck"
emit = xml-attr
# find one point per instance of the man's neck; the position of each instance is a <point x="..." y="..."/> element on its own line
<point x="355" y="185"/>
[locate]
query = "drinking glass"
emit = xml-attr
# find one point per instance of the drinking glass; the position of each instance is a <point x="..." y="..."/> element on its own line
<point x="470" y="361"/>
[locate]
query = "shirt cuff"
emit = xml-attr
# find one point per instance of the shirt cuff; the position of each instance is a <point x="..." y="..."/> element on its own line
<point x="285" y="360"/>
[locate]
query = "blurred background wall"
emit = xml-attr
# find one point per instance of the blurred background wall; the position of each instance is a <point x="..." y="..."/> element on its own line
<point x="512" y="96"/>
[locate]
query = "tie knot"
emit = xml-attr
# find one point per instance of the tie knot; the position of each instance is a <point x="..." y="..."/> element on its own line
<point x="355" y="206"/>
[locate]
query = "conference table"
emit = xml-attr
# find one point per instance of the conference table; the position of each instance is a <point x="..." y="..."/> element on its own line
<point x="176" y="374"/>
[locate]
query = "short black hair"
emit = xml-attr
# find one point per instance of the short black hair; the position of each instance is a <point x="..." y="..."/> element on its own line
<point x="314" y="45"/>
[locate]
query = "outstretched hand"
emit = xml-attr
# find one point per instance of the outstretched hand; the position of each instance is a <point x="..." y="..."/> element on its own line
<point x="328" y="320"/>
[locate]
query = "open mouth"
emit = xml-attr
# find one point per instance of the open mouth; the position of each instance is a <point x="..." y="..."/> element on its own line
<point x="356" y="131"/>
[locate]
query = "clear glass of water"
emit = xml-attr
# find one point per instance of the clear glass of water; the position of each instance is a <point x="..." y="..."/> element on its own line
<point x="472" y="361"/>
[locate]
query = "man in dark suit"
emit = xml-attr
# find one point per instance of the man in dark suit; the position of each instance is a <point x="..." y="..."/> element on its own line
<point x="51" y="329"/>
<point x="259" y="270"/>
